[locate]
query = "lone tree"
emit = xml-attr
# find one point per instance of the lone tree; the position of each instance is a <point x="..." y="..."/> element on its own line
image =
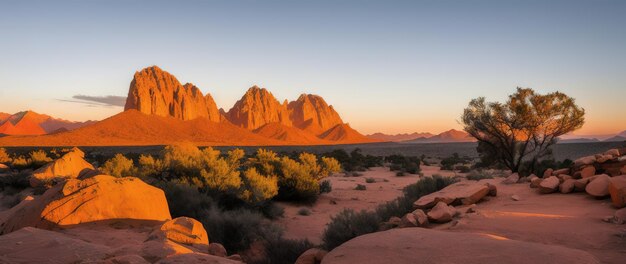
<point x="523" y="128"/>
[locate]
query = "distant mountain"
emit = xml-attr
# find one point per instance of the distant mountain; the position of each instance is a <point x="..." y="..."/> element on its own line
<point x="445" y="137"/>
<point x="399" y="137"/>
<point x="618" y="138"/>
<point x="622" y="134"/>
<point x="578" y="140"/>
<point x="31" y="123"/>
<point x="160" y="110"/>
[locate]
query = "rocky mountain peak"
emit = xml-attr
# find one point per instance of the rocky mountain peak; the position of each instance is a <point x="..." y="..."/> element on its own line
<point x="256" y="108"/>
<point x="311" y="112"/>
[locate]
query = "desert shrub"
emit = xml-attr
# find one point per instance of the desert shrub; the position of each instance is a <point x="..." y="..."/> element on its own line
<point x="304" y="211"/>
<point x="4" y="156"/>
<point x="360" y="187"/>
<point x="271" y="210"/>
<point x="329" y="166"/>
<point x="220" y="174"/>
<point x="370" y="180"/>
<point x="349" y="224"/>
<point x="150" y="167"/>
<point x="355" y="160"/>
<point x="296" y="182"/>
<point x="258" y="188"/>
<point x="184" y="199"/>
<point x="15" y="181"/>
<point x="400" y="174"/>
<point x="237" y="229"/>
<point x="38" y="158"/>
<point x="284" y="251"/>
<point x="20" y="162"/>
<point x="477" y="175"/>
<point x="462" y="168"/>
<point x="326" y="187"/>
<point x="403" y="163"/>
<point x="119" y="166"/>
<point x="449" y="162"/>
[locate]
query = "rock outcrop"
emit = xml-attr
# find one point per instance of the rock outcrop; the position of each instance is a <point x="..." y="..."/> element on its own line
<point x="156" y="92"/>
<point x="465" y="193"/>
<point x="311" y="113"/>
<point x="98" y="198"/>
<point x="70" y="165"/>
<point x="258" y="107"/>
<point x="425" y="246"/>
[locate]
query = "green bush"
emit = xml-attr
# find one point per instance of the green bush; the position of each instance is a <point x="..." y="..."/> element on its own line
<point x="326" y="187"/>
<point x="370" y="180"/>
<point x="184" y="199"/>
<point x="360" y="187"/>
<point x="462" y="168"/>
<point x="119" y="166"/>
<point x="304" y="211"/>
<point x="404" y="164"/>
<point x="284" y="251"/>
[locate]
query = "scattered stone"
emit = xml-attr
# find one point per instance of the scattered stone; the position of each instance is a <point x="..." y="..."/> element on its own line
<point x="567" y="186"/>
<point x="549" y="185"/>
<point x="617" y="190"/>
<point x="493" y="190"/>
<point x="581" y="184"/>
<point x="534" y="183"/>
<point x="182" y="230"/>
<point x="547" y="173"/>
<point x="311" y="256"/>
<point x="598" y="187"/>
<point x="513" y="178"/>
<point x="588" y="171"/>
<point x="565" y="171"/>
<point x="408" y="220"/>
<point x="515" y="197"/>
<point x="421" y="217"/>
<point x="588" y="160"/>
<point x="563" y="177"/>
<point x="441" y="213"/>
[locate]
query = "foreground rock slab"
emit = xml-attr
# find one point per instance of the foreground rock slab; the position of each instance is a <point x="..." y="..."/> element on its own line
<point x="102" y="197"/>
<point x="465" y="193"/>
<point x="424" y="246"/>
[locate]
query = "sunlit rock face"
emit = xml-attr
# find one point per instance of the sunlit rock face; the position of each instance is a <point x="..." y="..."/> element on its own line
<point x="156" y="92"/>
<point x="257" y="108"/>
<point x="311" y="113"/>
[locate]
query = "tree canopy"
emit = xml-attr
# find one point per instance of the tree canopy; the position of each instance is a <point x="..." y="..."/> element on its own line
<point x="522" y="128"/>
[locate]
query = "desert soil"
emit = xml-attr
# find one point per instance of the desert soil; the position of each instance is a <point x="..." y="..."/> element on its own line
<point x="570" y="220"/>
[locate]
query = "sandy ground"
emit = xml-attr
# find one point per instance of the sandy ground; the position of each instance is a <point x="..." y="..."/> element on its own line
<point x="570" y="220"/>
<point x="387" y="187"/>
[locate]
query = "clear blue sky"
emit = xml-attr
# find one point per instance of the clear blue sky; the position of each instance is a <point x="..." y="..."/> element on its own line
<point x="390" y="66"/>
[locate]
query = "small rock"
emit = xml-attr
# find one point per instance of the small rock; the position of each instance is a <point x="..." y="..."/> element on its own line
<point x="547" y="173"/>
<point x="563" y="177"/>
<point x="599" y="187"/>
<point x="612" y="152"/>
<point x="395" y="221"/>
<point x="567" y="186"/>
<point x="588" y="171"/>
<point x="549" y="185"/>
<point x="421" y="217"/>
<point x="4" y="167"/>
<point x="441" y="213"/>
<point x="565" y="171"/>
<point x="620" y="216"/>
<point x="493" y="190"/>
<point x="312" y="256"/>
<point x="617" y="190"/>
<point x="588" y="160"/>
<point x="580" y="184"/>
<point x="602" y="158"/>
<point x="515" y="197"/>
<point x="408" y="220"/>
<point x="216" y="249"/>
<point x="513" y="178"/>
<point x="534" y="183"/>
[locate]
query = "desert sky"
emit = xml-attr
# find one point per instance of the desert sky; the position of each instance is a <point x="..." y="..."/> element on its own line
<point x="402" y="67"/>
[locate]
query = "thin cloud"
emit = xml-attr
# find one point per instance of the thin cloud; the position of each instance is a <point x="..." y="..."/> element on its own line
<point x="101" y="101"/>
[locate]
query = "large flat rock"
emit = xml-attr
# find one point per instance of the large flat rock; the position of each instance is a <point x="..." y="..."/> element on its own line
<point x="424" y="246"/>
<point x="467" y="192"/>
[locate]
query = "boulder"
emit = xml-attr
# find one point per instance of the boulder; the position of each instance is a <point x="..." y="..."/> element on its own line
<point x="194" y="257"/>
<point x="33" y="245"/>
<point x="602" y="158"/>
<point x="70" y="165"/>
<point x="549" y="185"/>
<point x="613" y="168"/>
<point x="612" y="152"/>
<point x="581" y="184"/>
<point x="617" y="190"/>
<point x="420" y="217"/>
<point x="458" y="193"/>
<point x="547" y="173"/>
<point x="588" y="160"/>
<point x="587" y="171"/>
<point x="217" y="249"/>
<point x="535" y="182"/>
<point x="427" y="246"/>
<point x="408" y="220"/>
<point x="567" y="186"/>
<point x="182" y="230"/>
<point x="599" y="186"/>
<point x="493" y="190"/>
<point x="513" y="178"/>
<point x="102" y="197"/>
<point x="4" y="167"/>
<point x="441" y="213"/>
<point x="563" y="177"/>
<point x="565" y="171"/>
<point x="312" y="256"/>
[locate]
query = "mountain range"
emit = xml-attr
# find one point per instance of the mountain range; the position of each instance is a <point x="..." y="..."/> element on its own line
<point x="31" y="123"/>
<point x="161" y="110"/>
<point x="449" y="136"/>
